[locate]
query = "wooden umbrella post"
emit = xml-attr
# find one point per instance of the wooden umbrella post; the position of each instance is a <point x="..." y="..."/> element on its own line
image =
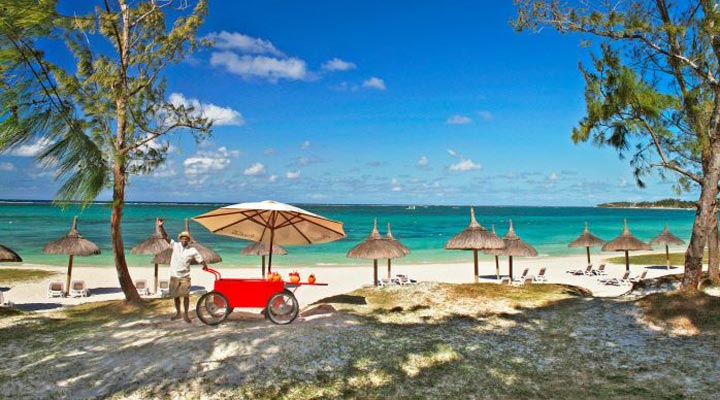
<point x="389" y="266"/>
<point x="497" y="267"/>
<point x="375" y="272"/>
<point x="588" y="255"/>
<point x="69" y="274"/>
<point x="263" y="266"/>
<point x="156" y="278"/>
<point x="667" y="256"/>
<point x="475" y="259"/>
<point x="627" y="260"/>
<point x="511" y="275"/>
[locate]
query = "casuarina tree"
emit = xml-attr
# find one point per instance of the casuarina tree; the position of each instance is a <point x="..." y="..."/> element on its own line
<point x="651" y="91"/>
<point x="106" y="116"/>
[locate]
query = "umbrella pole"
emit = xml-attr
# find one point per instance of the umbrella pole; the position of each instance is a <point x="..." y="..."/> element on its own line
<point x="375" y="274"/>
<point x="69" y="273"/>
<point x="627" y="261"/>
<point x="263" y="266"/>
<point x="510" y="258"/>
<point x="272" y="237"/>
<point x="156" y="278"/>
<point x="588" y="254"/>
<point x="389" y="273"/>
<point x="497" y="267"/>
<point x="667" y="256"/>
<point x="475" y="258"/>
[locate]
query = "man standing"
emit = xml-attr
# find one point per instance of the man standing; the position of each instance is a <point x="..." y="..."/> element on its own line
<point x="182" y="256"/>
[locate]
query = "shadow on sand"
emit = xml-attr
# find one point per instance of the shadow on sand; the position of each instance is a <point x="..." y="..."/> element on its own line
<point x="37" y="306"/>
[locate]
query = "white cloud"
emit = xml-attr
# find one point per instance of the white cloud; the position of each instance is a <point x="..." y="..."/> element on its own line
<point x="452" y="152"/>
<point x="553" y="176"/>
<point x="305" y="145"/>
<point x="422" y="162"/>
<point x="203" y="163"/>
<point x="458" y="120"/>
<point x="485" y="115"/>
<point x="337" y="64"/>
<point x="374" y="83"/>
<point x="395" y="185"/>
<point x="293" y="174"/>
<point x="255" y="169"/>
<point x="219" y="115"/>
<point x="464" y="165"/>
<point x="164" y="170"/>
<point x="272" y="178"/>
<point x="33" y="149"/>
<point x="263" y="67"/>
<point x="6" y="166"/>
<point x="246" y="44"/>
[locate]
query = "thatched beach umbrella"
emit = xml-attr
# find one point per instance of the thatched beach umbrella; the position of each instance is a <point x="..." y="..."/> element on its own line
<point x="587" y="240"/>
<point x="155" y="244"/>
<point x="399" y="245"/>
<point x="375" y="247"/>
<point x="475" y="237"/>
<point x="665" y="238"/>
<point x="262" y="250"/>
<point x="626" y="242"/>
<point x="514" y="246"/>
<point x="8" y="255"/>
<point x="208" y="255"/>
<point x="73" y="245"/>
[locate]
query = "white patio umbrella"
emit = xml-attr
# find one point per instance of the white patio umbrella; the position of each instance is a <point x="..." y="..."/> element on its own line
<point x="271" y="222"/>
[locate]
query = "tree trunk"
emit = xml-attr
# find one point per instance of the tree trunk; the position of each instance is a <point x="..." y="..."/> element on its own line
<point x="705" y="208"/>
<point x="126" y="283"/>
<point x="712" y="244"/>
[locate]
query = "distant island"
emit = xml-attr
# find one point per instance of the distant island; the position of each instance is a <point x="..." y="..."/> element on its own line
<point x="665" y="203"/>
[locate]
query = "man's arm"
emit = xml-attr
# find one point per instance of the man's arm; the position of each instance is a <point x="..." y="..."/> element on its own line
<point x="160" y="222"/>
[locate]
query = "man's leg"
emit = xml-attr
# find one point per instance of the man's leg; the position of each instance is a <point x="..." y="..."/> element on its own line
<point x="186" y="303"/>
<point x="177" y="310"/>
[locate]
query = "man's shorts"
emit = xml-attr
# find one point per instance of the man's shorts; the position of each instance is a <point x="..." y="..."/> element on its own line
<point x="179" y="287"/>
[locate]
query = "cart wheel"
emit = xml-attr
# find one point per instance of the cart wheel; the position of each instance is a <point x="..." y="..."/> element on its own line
<point x="213" y="308"/>
<point x="282" y="308"/>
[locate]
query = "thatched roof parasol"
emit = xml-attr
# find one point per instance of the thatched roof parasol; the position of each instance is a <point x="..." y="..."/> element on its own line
<point x="155" y="244"/>
<point x="261" y="249"/>
<point x="665" y="238"/>
<point x="209" y="256"/>
<point x="474" y="237"/>
<point x="73" y="245"/>
<point x="514" y="246"/>
<point x="7" y="254"/>
<point x="397" y="243"/>
<point x="626" y="242"/>
<point x="375" y="247"/>
<point x="587" y="240"/>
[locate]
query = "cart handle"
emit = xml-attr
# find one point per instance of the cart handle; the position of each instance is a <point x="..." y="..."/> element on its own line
<point x="212" y="271"/>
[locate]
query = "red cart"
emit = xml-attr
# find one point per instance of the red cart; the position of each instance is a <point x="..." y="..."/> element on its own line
<point x="275" y="297"/>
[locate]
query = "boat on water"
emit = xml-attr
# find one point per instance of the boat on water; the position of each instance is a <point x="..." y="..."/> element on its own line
<point x="410" y="208"/>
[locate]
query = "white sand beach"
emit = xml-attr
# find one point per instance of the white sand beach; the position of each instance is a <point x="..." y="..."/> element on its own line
<point x="103" y="285"/>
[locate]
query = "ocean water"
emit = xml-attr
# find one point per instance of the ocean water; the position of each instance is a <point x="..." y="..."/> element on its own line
<point x="26" y="227"/>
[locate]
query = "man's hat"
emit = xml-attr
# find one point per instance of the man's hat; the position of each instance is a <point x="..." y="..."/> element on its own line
<point x="184" y="234"/>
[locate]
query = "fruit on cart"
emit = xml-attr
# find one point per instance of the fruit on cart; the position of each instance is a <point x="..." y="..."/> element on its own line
<point x="311" y="279"/>
<point x="294" y="277"/>
<point x="276" y="277"/>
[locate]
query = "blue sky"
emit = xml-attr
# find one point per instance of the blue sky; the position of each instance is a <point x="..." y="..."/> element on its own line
<point x="375" y="102"/>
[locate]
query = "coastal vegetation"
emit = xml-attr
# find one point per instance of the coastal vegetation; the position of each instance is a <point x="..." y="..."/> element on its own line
<point x="652" y="92"/>
<point x="13" y="275"/>
<point x="424" y="341"/>
<point x="108" y="117"/>
<point x="665" y="203"/>
<point x="654" y="259"/>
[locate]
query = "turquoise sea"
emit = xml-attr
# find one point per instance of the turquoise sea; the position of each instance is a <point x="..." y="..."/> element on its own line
<point x="27" y="226"/>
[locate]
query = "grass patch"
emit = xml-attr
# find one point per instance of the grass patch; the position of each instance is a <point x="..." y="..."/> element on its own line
<point x="13" y="275"/>
<point x="692" y="313"/>
<point x="654" y="259"/>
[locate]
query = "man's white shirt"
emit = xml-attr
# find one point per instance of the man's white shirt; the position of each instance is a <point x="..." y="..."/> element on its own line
<point x="181" y="259"/>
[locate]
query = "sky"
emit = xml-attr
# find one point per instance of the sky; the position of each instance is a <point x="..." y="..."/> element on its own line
<point x="374" y="102"/>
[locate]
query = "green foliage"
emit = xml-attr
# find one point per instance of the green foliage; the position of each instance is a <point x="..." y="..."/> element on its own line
<point x="664" y="203"/>
<point x="14" y="275"/>
<point x="111" y="109"/>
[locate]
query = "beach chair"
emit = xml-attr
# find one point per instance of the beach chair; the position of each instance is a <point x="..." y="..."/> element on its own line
<point x="142" y="287"/>
<point x="541" y="275"/>
<point x="55" y="289"/>
<point x="404" y="280"/>
<point x="163" y="287"/>
<point x="78" y="289"/>
<point x="600" y="271"/>
<point x="639" y="277"/>
<point x="519" y="280"/>
<point x="385" y="282"/>
<point x="505" y="280"/>
<point x="580" y="271"/>
<point x="589" y="271"/>
<point x="4" y="303"/>
<point x="617" y="282"/>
